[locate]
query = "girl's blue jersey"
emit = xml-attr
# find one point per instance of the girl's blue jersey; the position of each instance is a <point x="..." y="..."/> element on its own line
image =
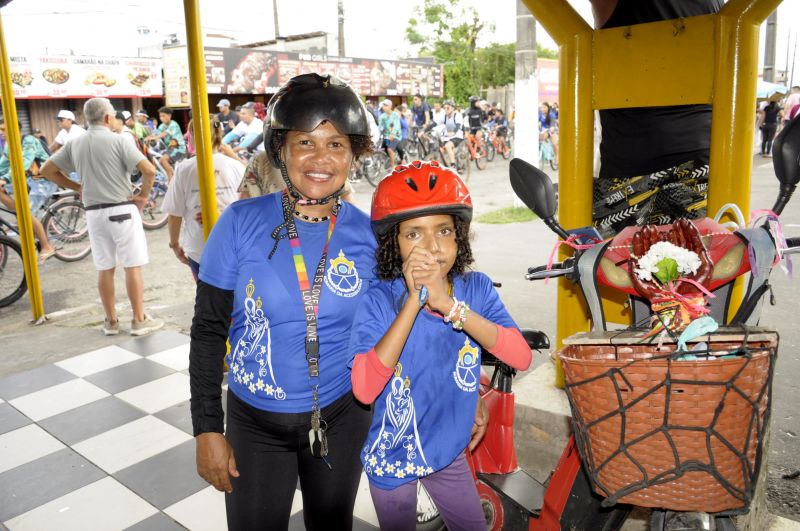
<point x="423" y="418"/>
<point x="267" y="360"/>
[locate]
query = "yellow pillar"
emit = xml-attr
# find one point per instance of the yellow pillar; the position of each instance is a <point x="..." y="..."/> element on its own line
<point x="200" y="117"/>
<point x="576" y="126"/>
<point x="20" y="185"/>
<point x="733" y="119"/>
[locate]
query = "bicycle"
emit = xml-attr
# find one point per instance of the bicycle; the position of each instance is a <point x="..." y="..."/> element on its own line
<point x="547" y="153"/>
<point x="64" y="221"/>
<point x="500" y="144"/>
<point x="478" y="151"/>
<point x="12" y="271"/>
<point x="153" y="217"/>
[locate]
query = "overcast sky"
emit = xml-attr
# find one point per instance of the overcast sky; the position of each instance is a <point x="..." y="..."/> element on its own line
<point x="373" y="28"/>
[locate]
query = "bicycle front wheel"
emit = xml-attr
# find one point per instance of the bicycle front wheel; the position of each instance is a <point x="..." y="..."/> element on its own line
<point x="65" y="225"/>
<point x="12" y="271"/>
<point x="153" y="216"/>
<point x="480" y="158"/>
<point x="378" y="168"/>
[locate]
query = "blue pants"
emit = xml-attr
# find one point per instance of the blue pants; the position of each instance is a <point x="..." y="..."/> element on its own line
<point x="451" y="488"/>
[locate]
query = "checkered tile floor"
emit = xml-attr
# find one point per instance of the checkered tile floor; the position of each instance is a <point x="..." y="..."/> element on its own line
<point x="103" y="441"/>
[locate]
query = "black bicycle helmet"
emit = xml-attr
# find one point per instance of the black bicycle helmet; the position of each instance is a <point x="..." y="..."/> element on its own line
<point x="306" y="101"/>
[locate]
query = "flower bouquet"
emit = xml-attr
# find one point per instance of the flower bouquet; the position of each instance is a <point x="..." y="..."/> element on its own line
<point x="672" y="270"/>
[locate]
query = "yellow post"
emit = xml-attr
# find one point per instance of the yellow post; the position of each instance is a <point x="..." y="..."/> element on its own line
<point x="20" y="185"/>
<point x="733" y="120"/>
<point x="576" y="126"/>
<point x="200" y="117"/>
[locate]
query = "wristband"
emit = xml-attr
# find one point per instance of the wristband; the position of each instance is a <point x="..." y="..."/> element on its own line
<point x="453" y="310"/>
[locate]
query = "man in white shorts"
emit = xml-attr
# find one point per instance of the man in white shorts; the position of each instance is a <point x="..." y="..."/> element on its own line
<point x="105" y="160"/>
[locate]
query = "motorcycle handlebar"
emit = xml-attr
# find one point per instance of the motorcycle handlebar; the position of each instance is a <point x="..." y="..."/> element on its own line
<point x="555" y="270"/>
<point x="793" y="245"/>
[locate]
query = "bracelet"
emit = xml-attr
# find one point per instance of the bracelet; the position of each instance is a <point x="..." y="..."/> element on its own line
<point x="453" y="310"/>
<point x="463" y="312"/>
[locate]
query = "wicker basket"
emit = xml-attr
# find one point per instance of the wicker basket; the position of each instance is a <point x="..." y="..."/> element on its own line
<point x="657" y="431"/>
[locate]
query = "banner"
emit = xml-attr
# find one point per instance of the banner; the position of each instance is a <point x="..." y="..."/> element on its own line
<point x="547" y="74"/>
<point x="74" y="76"/>
<point x="248" y="71"/>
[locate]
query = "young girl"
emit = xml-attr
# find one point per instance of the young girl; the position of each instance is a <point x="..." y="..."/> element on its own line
<point x="418" y="336"/>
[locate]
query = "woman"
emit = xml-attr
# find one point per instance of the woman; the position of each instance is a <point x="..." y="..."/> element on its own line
<point x="182" y="201"/>
<point x="291" y="412"/>
<point x="768" y="119"/>
<point x="548" y="125"/>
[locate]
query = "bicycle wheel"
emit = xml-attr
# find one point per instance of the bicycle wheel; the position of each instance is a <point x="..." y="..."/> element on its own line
<point x="480" y="157"/>
<point x="378" y="167"/>
<point x="553" y="164"/>
<point x="491" y="151"/>
<point x="65" y="225"/>
<point x="509" y="144"/>
<point x="153" y="217"/>
<point x="412" y="151"/>
<point x="12" y="271"/>
<point x="463" y="166"/>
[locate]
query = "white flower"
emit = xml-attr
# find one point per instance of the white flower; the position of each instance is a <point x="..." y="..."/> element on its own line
<point x="688" y="261"/>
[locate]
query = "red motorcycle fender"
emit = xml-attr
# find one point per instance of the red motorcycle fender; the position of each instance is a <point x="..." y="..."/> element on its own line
<point x="496" y="454"/>
<point x="558" y="489"/>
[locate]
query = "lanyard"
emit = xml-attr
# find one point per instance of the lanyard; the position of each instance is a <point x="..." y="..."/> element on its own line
<point x="310" y="293"/>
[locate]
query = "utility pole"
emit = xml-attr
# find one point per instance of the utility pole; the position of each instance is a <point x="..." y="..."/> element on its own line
<point x="791" y="82"/>
<point x="341" y="28"/>
<point x="769" y="48"/>
<point x="526" y="89"/>
<point x="275" y="17"/>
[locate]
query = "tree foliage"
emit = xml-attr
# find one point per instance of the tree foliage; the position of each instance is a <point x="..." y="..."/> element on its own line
<point x="449" y="33"/>
<point x="545" y="53"/>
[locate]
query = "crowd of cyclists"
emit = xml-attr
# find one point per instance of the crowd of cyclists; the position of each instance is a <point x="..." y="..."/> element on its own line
<point x="452" y="133"/>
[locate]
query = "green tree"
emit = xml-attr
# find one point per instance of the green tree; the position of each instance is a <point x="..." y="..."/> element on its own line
<point x="495" y="65"/>
<point x="449" y="33"/>
<point x="545" y="53"/>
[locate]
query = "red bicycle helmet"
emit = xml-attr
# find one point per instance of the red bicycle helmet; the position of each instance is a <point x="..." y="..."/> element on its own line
<point x="419" y="189"/>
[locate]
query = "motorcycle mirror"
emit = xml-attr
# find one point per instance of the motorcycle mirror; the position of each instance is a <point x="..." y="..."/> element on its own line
<point x="535" y="189"/>
<point x="786" y="154"/>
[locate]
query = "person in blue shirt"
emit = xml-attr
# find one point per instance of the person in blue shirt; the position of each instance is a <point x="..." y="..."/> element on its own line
<point x="281" y="276"/>
<point x="417" y="340"/>
<point x="170" y="132"/>
<point x="39" y="190"/>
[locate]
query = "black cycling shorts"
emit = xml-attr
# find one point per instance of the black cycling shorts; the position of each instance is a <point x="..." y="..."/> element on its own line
<point x="272" y="453"/>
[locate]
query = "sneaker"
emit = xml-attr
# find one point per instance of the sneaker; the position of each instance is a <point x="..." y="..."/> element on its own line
<point x="109" y="328"/>
<point x="150" y="324"/>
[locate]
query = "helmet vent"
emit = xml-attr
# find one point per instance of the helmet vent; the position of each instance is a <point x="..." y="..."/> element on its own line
<point x="411" y="184"/>
<point x="431" y="181"/>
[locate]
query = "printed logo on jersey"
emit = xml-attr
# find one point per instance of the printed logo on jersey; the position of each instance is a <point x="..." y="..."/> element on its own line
<point x="397" y="450"/>
<point x="467" y="370"/>
<point x="342" y="276"/>
<point x="250" y="360"/>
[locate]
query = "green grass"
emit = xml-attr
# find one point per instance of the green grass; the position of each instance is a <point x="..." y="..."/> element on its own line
<point x="507" y="215"/>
